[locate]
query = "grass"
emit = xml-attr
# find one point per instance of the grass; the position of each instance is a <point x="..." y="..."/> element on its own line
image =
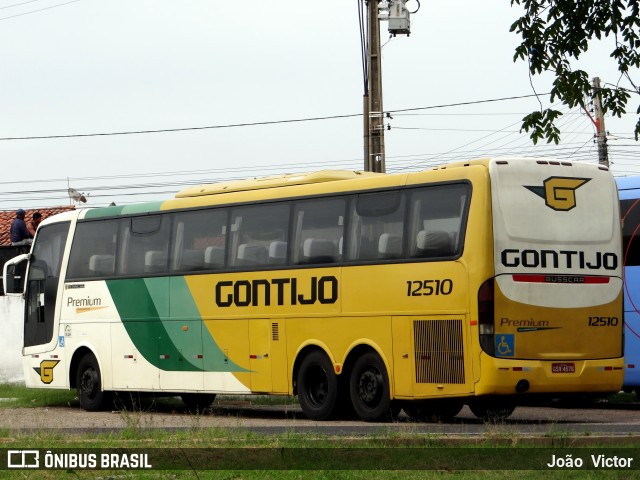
<point x="239" y="445"/>
<point x="622" y="397"/>
<point x="240" y="448"/>
<point x="13" y="395"/>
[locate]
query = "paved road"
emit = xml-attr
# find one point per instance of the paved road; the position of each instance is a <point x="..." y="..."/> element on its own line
<point x="596" y="420"/>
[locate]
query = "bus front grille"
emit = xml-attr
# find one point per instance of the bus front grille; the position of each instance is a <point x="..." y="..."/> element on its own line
<point x="439" y="353"/>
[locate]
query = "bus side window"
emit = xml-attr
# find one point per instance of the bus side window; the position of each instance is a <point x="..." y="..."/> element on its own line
<point x="438" y="217"/>
<point x="147" y="245"/>
<point x="93" y="251"/>
<point x="199" y="240"/>
<point x="377" y="226"/>
<point x="318" y="230"/>
<point x="254" y="231"/>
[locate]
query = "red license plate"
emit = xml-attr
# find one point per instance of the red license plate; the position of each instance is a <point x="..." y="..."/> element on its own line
<point x="563" y="368"/>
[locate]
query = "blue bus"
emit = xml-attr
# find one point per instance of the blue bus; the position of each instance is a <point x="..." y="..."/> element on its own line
<point x="629" y="192"/>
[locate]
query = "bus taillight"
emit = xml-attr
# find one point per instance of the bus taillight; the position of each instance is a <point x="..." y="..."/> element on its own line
<point x="486" y="316"/>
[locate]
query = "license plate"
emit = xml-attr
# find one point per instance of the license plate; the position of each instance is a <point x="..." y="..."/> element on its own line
<point x="563" y="368"/>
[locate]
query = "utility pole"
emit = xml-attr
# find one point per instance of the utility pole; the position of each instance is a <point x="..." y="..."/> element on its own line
<point x="601" y="133"/>
<point x="373" y="114"/>
<point x="399" y="24"/>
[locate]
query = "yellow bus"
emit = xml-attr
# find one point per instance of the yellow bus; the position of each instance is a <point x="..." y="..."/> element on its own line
<point x="485" y="283"/>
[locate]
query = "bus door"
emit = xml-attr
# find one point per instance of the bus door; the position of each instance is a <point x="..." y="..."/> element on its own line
<point x="41" y="289"/>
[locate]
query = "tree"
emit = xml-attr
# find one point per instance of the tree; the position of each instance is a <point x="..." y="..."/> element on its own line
<point x="556" y="32"/>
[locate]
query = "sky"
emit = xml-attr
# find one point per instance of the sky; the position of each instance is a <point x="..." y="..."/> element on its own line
<point x="73" y="68"/>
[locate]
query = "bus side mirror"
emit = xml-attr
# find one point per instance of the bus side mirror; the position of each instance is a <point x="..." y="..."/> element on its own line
<point x="13" y="274"/>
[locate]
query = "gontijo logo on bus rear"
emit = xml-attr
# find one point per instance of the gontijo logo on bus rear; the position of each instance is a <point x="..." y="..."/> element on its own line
<point x="559" y="193"/>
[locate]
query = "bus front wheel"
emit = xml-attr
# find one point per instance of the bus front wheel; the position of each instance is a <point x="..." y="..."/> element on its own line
<point x="317" y="386"/>
<point x="369" y="388"/>
<point x="89" y="384"/>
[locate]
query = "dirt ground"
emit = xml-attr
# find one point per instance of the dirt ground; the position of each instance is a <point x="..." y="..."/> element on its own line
<point x="289" y="417"/>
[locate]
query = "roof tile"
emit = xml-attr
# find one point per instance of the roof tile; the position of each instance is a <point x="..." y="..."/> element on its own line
<point x="6" y="217"/>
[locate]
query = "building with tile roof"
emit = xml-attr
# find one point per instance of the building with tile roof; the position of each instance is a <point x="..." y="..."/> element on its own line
<point x="6" y="217"/>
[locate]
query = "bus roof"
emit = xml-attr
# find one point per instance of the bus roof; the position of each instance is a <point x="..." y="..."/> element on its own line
<point x="540" y="160"/>
<point x="273" y="181"/>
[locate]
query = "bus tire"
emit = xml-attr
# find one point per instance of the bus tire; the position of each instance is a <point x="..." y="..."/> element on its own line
<point x="89" y="384"/>
<point x="317" y="386"/>
<point x="369" y="388"/>
<point x="343" y="409"/>
<point x="197" y="402"/>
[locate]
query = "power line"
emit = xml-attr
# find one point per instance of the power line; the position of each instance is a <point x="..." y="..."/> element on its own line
<point x="18" y="4"/>
<point x="460" y="104"/>
<point x="100" y="190"/>
<point x="35" y="11"/>
<point x="253" y="124"/>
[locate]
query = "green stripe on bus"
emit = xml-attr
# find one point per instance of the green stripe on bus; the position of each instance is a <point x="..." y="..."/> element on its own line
<point x="179" y="342"/>
<point x="124" y="210"/>
<point x="183" y="307"/>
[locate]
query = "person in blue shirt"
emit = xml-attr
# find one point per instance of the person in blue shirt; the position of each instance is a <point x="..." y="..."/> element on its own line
<point x="19" y="232"/>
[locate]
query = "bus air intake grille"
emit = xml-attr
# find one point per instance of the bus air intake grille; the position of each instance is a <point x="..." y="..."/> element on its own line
<point x="275" y="332"/>
<point x="439" y="353"/>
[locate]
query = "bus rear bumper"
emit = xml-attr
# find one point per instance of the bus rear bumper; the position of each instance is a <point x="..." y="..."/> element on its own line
<point x="509" y="376"/>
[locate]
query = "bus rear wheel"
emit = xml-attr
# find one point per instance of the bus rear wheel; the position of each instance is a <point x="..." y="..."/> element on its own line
<point x="89" y="385"/>
<point x="369" y="388"/>
<point x="317" y="386"/>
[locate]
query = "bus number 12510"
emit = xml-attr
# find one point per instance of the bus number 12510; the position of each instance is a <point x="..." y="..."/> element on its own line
<point x="417" y="288"/>
<point x="603" y="321"/>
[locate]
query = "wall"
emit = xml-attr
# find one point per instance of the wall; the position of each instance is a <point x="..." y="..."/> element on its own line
<point x="11" y="311"/>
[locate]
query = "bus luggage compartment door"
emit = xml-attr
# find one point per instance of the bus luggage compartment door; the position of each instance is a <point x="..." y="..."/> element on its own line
<point x="437" y="349"/>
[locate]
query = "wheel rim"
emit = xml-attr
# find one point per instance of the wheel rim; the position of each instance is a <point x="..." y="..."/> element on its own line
<point x="317" y="386"/>
<point x="89" y="383"/>
<point x="370" y="386"/>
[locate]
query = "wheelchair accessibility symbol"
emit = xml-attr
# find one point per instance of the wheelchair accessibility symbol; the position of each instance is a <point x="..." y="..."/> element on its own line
<point x="505" y="345"/>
